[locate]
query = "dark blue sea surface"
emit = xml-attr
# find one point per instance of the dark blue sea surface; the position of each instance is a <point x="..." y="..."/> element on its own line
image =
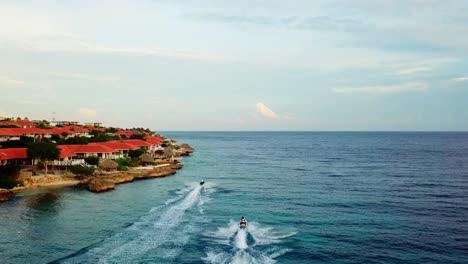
<point x="312" y="197"/>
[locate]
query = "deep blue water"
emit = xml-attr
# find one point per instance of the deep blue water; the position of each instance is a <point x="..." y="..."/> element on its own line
<point x="308" y="197"/>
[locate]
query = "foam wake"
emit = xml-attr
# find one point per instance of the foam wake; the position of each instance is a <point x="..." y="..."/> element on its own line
<point x="165" y="229"/>
<point x="256" y="244"/>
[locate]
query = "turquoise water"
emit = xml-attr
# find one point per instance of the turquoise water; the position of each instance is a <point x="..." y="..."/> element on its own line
<point x="308" y="198"/>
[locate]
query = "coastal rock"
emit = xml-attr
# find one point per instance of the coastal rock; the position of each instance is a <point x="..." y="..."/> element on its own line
<point x="186" y="147"/>
<point x="100" y="185"/>
<point x="105" y="182"/>
<point x="120" y="178"/>
<point x="177" y="166"/>
<point x="160" y="174"/>
<point x="156" y="172"/>
<point x="6" y="195"/>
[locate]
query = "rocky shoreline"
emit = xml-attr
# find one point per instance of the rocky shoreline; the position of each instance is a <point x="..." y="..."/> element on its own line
<point x="106" y="182"/>
<point x="102" y="181"/>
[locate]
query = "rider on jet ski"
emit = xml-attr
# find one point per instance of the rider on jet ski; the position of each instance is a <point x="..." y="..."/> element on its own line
<point x="243" y="222"/>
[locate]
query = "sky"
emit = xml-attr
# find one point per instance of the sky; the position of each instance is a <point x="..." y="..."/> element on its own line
<point x="238" y="65"/>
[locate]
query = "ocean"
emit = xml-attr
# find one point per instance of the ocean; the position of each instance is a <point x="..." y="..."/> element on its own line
<point x="309" y="197"/>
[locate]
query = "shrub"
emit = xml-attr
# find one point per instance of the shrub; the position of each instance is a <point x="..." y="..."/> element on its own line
<point x="123" y="161"/>
<point x="135" y="153"/>
<point x="122" y="168"/>
<point x="8" y="174"/>
<point x="82" y="170"/>
<point x="92" y="160"/>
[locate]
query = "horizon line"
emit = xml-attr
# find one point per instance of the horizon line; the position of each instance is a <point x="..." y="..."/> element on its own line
<point x="321" y="131"/>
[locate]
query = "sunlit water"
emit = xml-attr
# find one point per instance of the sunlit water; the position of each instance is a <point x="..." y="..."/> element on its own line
<point x="307" y="197"/>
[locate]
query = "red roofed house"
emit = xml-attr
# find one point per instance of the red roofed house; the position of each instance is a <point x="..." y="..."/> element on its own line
<point x="23" y="123"/>
<point x="155" y="143"/>
<point x="120" y="147"/>
<point x="7" y="134"/>
<point x="127" y="133"/>
<point x="66" y="158"/>
<point x="14" y="155"/>
<point x="83" y="151"/>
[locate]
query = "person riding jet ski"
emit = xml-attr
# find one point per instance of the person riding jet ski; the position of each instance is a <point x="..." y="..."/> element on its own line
<point x="202" y="182"/>
<point x="243" y="223"/>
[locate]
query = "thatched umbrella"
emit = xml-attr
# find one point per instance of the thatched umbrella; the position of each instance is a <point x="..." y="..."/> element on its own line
<point x="146" y="158"/>
<point x="108" y="165"/>
<point x="159" y="152"/>
<point x="186" y="146"/>
<point x="169" y="153"/>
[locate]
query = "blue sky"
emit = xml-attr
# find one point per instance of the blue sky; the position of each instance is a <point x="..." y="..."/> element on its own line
<point x="238" y="65"/>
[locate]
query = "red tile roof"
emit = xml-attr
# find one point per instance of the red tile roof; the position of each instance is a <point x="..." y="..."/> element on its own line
<point x="18" y="123"/>
<point x="117" y="145"/>
<point x="65" y="153"/>
<point x="13" y="153"/>
<point x="91" y="148"/>
<point x="136" y="142"/>
<point x="9" y="132"/>
<point x="25" y="123"/>
<point x="154" y="140"/>
<point x="127" y="133"/>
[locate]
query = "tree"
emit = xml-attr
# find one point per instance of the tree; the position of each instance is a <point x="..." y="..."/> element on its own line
<point x="43" y="151"/>
<point x="8" y="173"/>
<point x="92" y="160"/>
<point x="135" y="153"/>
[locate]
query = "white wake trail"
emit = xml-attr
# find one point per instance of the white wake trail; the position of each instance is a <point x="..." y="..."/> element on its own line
<point x="235" y="246"/>
<point x="166" y="230"/>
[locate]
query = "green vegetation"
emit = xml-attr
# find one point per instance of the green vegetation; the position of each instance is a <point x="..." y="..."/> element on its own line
<point x="24" y="142"/>
<point x="8" y="175"/>
<point x="128" y="162"/>
<point x="8" y="126"/>
<point x="99" y="136"/>
<point x="122" y="168"/>
<point x="136" y="136"/>
<point x="135" y="153"/>
<point x="123" y="161"/>
<point x="82" y="170"/>
<point x="111" y="130"/>
<point x="73" y="141"/>
<point x="43" y="126"/>
<point x="43" y="151"/>
<point x="92" y="160"/>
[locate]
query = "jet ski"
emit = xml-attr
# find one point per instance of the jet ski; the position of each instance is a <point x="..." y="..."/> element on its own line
<point x="243" y="223"/>
<point x="202" y="182"/>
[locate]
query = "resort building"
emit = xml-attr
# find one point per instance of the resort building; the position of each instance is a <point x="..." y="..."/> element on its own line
<point x="93" y="124"/>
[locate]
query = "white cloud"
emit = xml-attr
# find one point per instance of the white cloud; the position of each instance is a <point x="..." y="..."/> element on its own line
<point x="25" y="102"/>
<point x="264" y="111"/>
<point x="7" y="82"/>
<point x="461" y="79"/>
<point x="87" y="112"/>
<point x="84" y="76"/>
<point x="423" y="65"/>
<point x="385" y="89"/>
<point x="29" y="31"/>
<point x="416" y="70"/>
<point x="67" y="43"/>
